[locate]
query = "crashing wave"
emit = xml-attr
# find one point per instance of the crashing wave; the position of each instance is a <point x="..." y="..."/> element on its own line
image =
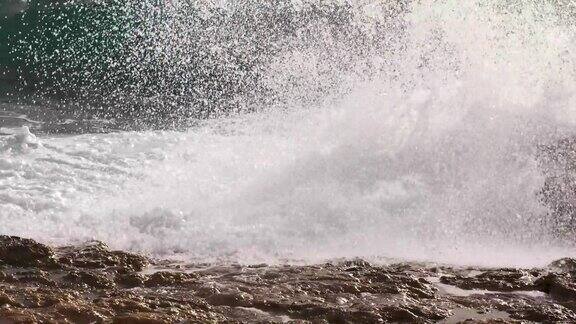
<point x="401" y="129"/>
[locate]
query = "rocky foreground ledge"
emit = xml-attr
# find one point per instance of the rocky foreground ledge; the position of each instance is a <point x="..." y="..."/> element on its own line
<point x="91" y="284"/>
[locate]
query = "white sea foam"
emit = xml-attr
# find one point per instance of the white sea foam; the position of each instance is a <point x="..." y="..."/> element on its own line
<point x="435" y="161"/>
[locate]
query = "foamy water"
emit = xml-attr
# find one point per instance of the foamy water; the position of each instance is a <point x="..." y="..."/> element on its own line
<point x="432" y="158"/>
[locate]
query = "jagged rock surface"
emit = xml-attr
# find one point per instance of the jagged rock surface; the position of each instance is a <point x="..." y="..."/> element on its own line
<point x="91" y="284"/>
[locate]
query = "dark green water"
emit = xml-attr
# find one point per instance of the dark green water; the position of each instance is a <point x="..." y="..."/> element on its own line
<point x="62" y="47"/>
<point x="155" y="59"/>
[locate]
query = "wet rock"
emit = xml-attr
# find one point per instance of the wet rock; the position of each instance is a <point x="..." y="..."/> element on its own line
<point x="232" y="299"/>
<point x="78" y="314"/>
<point x="96" y="255"/>
<point x="123" y="304"/>
<point x="523" y="308"/>
<point x="89" y="279"/>
<point x="130" y="280"/>
<point x="21" y="252"/>
<point x="355" y="265"/>
<point x="563" y="265"/>
<point x="558" y="286"/>
<point x="93" y="284"/>
<point x="336" y="315"/>
<point x="5" y="277"/>
<point x="385" y="282"/>
<point x="34" y="275"/>
<point x="138" y="319"/>
<point x="164" y="278"/>
<point x="17" y="316"/>
<point x="206" y="290"/>
<point x="7" y="300"/>
<point x="496" y="280"/>
<point x="398" y="314"/>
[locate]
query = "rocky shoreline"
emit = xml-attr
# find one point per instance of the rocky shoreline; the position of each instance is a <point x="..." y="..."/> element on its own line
<point x="90" y="283"/>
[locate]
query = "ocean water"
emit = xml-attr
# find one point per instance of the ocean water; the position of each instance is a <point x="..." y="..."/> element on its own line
<point x="421" y="145"/>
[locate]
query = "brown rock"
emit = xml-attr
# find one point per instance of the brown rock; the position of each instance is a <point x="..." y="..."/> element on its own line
<point x="81" y="291"/>
<point x="559" y="286"/>
<point x="7" y="300"/>
<point x="164" y="278"/>
<point x="78" y="314"/>
<point x="232" y="299"/>
<point x="89" y="279"/>
<point x="10" y="316"/>
<point x="21" y="252"/>
<point x="137" y="319"/>
<point x="96" y="255"/>
<point x="563" y="265"/>
<point x="34" y="275"/>
<point x="495" y="280"/>
<point x="130" y="280"/>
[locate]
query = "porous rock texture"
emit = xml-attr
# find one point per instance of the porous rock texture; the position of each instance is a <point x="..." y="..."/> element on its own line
<point x="90" y="283"/>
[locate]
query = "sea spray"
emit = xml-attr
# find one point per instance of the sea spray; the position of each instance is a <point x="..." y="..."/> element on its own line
<point x="422" y="146"/>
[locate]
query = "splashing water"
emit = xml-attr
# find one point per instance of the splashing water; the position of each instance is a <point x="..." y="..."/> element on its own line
<point x="430" y="155"/>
